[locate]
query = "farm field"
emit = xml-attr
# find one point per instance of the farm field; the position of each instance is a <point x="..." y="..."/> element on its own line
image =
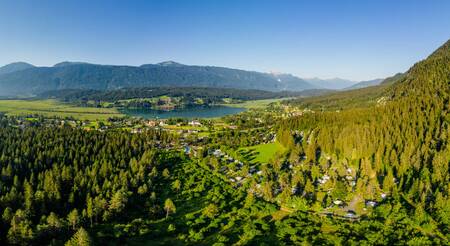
<point x="53" y="108"/>
<point x="255" y="104"/>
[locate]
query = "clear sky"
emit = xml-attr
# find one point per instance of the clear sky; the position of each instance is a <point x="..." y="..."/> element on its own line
<point x="349" y="39"/>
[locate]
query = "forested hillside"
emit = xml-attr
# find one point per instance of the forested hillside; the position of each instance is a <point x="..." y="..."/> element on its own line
<point x="69" y="75"/>
<point x="396" y="149"/>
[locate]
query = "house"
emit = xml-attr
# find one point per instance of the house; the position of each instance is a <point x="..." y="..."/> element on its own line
<point x="136" y="130"/>
<point x="371" y="203"/>
<point x="337" y="202"/>
<point x="195" y="123"/>
<point x="151" y="123"/>
<point x="217" y="153"/>
<point x="324" y="179"/>
<point x="351" y="215"/>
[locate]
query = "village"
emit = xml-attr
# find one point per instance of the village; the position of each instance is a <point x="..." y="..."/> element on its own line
<point x="193" y="137"/>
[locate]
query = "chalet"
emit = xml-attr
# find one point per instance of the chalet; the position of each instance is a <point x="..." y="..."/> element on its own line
<point x="218" y="153"/>
<point x="195" y="123"/>
<point x="351" y="215"/>
<point x="324" y="179"/>
<point x="136" y="130"/>
<point x="371" y="203"/>
<point x="151" y="123"/>
<point x="337" y="202"/>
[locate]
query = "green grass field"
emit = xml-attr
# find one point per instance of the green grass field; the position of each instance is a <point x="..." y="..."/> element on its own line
<point x="255" y="104"/>
<point x="53" y="108"/>
<point x="262" y="153"/>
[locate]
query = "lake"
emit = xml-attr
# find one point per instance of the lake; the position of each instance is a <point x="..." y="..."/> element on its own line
<point x="189" y="112"/>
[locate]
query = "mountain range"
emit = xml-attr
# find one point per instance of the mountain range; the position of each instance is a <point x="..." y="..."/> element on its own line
<point x="333" y="84"/>
<point x="23" y="79"/>
<point x="364" y="84"/>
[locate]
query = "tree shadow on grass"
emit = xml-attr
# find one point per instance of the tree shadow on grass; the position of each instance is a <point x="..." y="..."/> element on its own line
<point x="249" y="155"/>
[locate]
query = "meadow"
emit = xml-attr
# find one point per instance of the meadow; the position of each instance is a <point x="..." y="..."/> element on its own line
<point x="53" y="108"/>
<point x="262" y="153"/>
<point x="256" y="104"/>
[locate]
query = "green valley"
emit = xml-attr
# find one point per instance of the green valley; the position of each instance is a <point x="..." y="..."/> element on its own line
<point x="310" y="123"/>
<point x="280" y="173"/>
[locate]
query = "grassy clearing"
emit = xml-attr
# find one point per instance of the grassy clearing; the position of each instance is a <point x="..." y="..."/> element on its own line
<point x="262" y="153"/>
<point x="255" y="104"/>
<point x="53" y="108"/>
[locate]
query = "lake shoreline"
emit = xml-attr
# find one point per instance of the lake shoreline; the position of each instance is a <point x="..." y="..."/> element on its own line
<point x="200" y="112"/>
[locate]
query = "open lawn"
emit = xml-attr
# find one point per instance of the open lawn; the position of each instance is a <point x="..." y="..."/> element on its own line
<point x="262" y="153"/>
<point x="53" y="108"/>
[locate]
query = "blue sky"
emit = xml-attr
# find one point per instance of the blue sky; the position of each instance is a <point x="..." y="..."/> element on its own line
<point x="357" y="40"/>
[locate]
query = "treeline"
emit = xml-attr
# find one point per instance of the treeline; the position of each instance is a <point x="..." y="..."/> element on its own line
<point x="210" y="94"/>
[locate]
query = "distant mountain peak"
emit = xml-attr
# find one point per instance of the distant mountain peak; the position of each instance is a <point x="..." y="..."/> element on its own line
<point x="170" y="64"/>
<point x="14" y="67"/>
<point x="20" y="63"/>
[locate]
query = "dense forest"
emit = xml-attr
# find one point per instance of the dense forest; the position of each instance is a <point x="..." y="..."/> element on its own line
<point x="397" y="147"/>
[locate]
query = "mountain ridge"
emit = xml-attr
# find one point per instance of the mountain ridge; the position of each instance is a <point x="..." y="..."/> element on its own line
<point x="364" y="84"/>
<point x="332" y="83"/>
<point x="14" y="67"/>
<point x="78" y="75"/>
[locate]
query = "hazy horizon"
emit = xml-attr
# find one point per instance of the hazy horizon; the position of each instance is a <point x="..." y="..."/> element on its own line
<point x="354" y="41"/>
